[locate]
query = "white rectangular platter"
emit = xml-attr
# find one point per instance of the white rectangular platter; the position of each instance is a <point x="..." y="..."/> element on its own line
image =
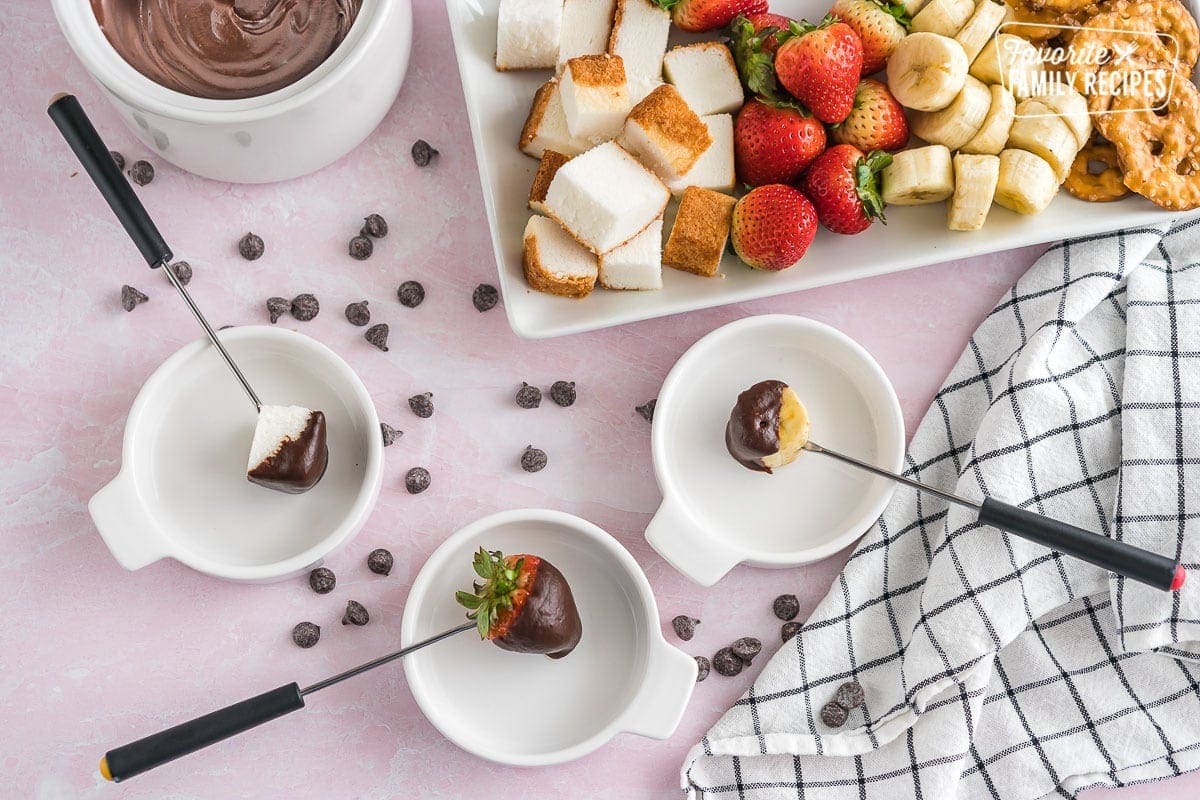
<point x="497" y="104"/>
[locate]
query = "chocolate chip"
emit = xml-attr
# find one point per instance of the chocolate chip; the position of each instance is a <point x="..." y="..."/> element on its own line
<point x="685" y="627"/>
<point x="533" y="459"/>
<point x="358" y="313"/>
<point x="410" y="294"/>
<point x="141" y="172"/>
<point x="422" y="405"/>
<point x="183" y="271"/>
<point x="306" y="634"/>
<point x="702" y="667"/>
<point x="305" y="307"/>
<point x="563" y="393"/>
<point x="786" y="606"/>
<point x="833" y="715"/>
<point x="251" y="246"/>
<point x="485" y="297"/>
<point x="746" y="648"/>
<point x="529" y="396"/>
<point x="789" y="629"/>
<point x="277" y="307"/>
<point x="422" y="153"/>
<point x="417" y="480"/>
<point x="131" y="298"/>
<point x="356" y="614"/>
<point x="390" y="434"/>
<point x="726" y="663"/>
<point x="378" y="336"/>
<point x="849" y="695"/>
<point x="322" y="580"/>
<point x="647" y="410"/>
<point x="380" y="562"/>
<point x="374" y="225"/>
<point x="361" y="248"/>
<point x="118" y="159"/>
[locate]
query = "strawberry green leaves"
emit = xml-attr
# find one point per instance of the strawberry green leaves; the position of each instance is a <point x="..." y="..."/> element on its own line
<point x="755" y="65"/>
<point x="495" y="593"/>
<point x="866" y="182"/>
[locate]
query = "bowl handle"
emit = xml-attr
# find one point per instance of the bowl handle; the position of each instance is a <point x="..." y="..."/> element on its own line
<point x="670" y="679"/>
<point x="120" y="516"/>
<point x="687" y="548"/>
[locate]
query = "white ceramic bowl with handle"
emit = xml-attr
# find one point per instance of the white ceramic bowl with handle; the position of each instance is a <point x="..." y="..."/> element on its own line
<point x="622" y="676"/>
<point x="284" y="134"/>
<point x="182" y="491"/>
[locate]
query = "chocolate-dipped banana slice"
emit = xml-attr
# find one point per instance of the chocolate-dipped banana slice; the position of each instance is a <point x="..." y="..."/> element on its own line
<point x="288" y="453"/>
<point x="768" y="427"/>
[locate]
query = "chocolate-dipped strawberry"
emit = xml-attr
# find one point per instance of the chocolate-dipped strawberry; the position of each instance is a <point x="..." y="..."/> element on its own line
<point x="768" y="427"/>
<point x="288" y="453"/>
<point x="523" y="604"/>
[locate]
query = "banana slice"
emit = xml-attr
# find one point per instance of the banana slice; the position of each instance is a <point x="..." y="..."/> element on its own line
<point x="1072" y="107"/>
<point x="993" y="135"/>
<point x="975" y="179"/>
<point x="1027" y="183"/>
<point x="943" y="17"/>
<point x="1012" y="62"/>
<point x="1038" y="129"/>
<point x="957" y="123"/>
<point x="926" y="71"/>
<point x="980" y="27"/>
<point x="919" y="176"/>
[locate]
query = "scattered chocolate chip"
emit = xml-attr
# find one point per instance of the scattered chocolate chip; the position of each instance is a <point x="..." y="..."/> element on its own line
<point x="833" y="715"/>
<point x="141" y="172"/>
<point x="417" y="480"/>
<point x="361" y="248"/>
<point x="849" y="695"/>
<point x="422" y="405"/>
<point x="746" y="648"/>
<point x="685" y="627"/>
<point x="422" y="153"/>
<point x="533" y="459"/>
<point x="374" y="225"/>
<point x="322" y="580"/>
<point x="131" y="298"/>
<point x="277" y="307"/>
<point x="390" y="434"/>
<point x="485" y="297"/>
<point x="251" y="246"/>
<point x="647" y="410"/>
<point x="529" y="396"/>
<point x="563" y="393"/>
<point x="306" y="634"/>
<point x="702" y="667"/>
<point x="356" y="614"/>
<point x="788" y="630"/>
<point x="380" y="562"/>
<point x="410" y="294"/>
<point x="183" y="271"/>
<point x="786" y="606"/>
<point x="378" y="336"/>
<point x="358" y="313"/>
<point x="118" y="159"/>
<point x="726" y="663"/>
<point x="305" y="307"/>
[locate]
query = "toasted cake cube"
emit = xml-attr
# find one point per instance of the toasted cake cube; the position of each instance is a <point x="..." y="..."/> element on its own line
<point x="714" y="169"/>
<point x="639" y="36"/>
<point x="546" y="126"/>
<point x="527" y="34"/>
<point x="551" y="161"/>
<point x="604" y="197"/>
<point x="595" y="97"/>
<point x="701" y="228"/>
<point x="554" y="262"/>
<point x="704" y="73"/>
<point x="637" y="264"/>
<point x="586" y="25"/>
<point x="665" y="133"/>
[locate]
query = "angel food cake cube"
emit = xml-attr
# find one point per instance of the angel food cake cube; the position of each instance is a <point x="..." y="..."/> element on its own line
<point x="706" y="77"/>
<point x="554" y="262"/>
<point x="586" y="25"/>
<point x="701" y="229"/>
<point x="604" y="197"/>
<point x="665" y="133"/>
<point x="715" y="167"/>
<point x="595" y="97"/>
<point x="527" y="34"/>
<point x="546" y="126"/>
<point x="639" y="36"/>
<point x="551" y="161"/>
<point x="637" y="264"/>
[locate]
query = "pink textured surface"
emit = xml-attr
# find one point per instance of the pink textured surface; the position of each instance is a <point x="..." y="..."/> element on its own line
<point x="95" y="656"/>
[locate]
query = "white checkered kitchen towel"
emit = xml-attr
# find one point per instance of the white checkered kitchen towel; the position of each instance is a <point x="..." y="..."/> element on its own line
<point x="993" y="667"/>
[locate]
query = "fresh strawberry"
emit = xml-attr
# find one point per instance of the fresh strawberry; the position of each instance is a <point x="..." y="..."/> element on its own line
<point x="773" y="226"/>
<point x="776" y="22"/>
<point x="880" y="24"/>
<point x="820" y="65"/>
<point x="523" y="604"/>
<point x="843" y="184"/>
<point x="774" y="145"/>
<point x="876" y="122"/>
<point x="699" y="16"/>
